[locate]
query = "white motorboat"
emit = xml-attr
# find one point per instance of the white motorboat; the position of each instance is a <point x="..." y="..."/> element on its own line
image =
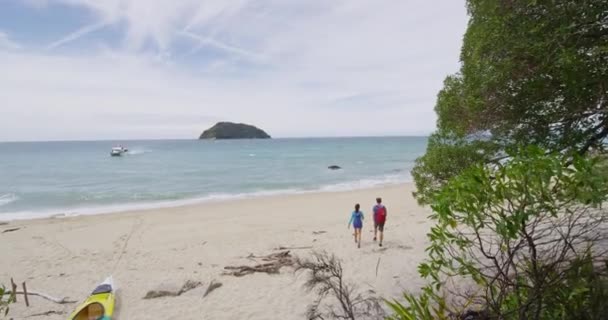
<point x="118" y="151"/>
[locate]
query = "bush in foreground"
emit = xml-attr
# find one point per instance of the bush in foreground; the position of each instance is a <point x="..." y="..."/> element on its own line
<point x="6" y="298"/>
<point x="524" y="240"/>
<point x="326" y="278"/>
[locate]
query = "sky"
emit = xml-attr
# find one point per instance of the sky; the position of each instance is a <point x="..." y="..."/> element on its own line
<point x="168" y="69"/>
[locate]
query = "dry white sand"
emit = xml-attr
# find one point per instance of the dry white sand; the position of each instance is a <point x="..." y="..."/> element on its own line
<point x="146" y="249"/>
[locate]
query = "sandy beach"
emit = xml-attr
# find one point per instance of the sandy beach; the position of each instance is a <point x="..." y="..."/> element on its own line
<point x="162" y="248"/>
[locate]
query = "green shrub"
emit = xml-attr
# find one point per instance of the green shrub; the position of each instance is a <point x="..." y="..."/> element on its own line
<point x="6" y="298"/>
<point x="419" y="308"/>
<point x="530" y="233"/>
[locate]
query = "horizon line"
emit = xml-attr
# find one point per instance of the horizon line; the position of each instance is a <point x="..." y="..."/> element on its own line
<point x="197" y="139"/>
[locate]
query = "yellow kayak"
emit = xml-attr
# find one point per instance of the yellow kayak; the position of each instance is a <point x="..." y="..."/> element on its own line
<point x="99" y="305"/>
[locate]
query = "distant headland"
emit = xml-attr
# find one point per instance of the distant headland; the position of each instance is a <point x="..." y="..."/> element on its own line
<point x="230" y="130"/>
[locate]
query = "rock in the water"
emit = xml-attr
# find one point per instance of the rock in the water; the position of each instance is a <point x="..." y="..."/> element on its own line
<point x="334" y="167"/>
<point x="229" y="130"/>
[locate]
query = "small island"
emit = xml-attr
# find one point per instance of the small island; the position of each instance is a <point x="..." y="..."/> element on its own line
<point x="229" y="130"/>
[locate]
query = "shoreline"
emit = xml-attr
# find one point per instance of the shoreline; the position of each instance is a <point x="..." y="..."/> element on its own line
<point x="169" y="204"/>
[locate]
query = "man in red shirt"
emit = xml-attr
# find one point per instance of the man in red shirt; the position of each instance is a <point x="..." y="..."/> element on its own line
<point x="380" y="213"/>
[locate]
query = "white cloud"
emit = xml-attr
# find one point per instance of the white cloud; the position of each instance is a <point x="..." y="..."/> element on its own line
<point x="296" y="68"/>
<point x="6" y="42"/>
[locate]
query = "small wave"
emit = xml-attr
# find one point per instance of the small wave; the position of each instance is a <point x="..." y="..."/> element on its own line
<point x="359" y="184"/>
<point x="252" y="154"/>
<point x="365" y="183"/>
<point x="8" y="198"/>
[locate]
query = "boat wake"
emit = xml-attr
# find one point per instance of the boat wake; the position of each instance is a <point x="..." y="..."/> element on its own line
<point x="133" y="152"/>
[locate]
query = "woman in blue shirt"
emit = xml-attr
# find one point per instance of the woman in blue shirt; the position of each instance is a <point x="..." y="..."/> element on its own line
<point x="356" y="219"/>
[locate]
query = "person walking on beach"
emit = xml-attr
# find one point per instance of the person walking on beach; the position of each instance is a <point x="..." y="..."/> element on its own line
<point x="356" y="219"/>
<point x="379" y="219"/>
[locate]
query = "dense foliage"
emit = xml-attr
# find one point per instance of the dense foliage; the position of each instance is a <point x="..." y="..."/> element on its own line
<point x="229" y="130"/>
<point x="533" y="72"/>
<point x="527" y="239"/>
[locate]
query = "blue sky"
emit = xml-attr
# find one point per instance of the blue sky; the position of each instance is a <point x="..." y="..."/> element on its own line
<point x="128" y="69"/>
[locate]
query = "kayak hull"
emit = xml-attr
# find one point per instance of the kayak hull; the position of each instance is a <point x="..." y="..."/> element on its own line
<point x="99" y="305"/>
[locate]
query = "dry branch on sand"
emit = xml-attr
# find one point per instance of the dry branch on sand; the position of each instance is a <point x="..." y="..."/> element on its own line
<point x="11" y="230"/>
<point x="47" y="313"/>
<point x="64" y="300"/>
<point x="188" y="285"/>
<point x="293" y="248"/>
<point x="274" y="263"/>
<point x="212" y="286"/>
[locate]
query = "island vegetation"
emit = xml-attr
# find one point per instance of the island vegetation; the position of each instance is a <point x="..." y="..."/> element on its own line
<point x="230" y="130"/>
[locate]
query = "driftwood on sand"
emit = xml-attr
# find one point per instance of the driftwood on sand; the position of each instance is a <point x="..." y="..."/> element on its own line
<point x="11" y="230"/>
<point x="64" y="300"/>
<point x="293" y="248"/>
<point x="272" y="264"/>
<point x="212" y="286"/>
<point x="187" y="286"/>
<point x="48" y="313"/>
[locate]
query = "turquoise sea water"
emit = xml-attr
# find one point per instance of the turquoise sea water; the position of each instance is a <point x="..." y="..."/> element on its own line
<point x="48" y="178"/>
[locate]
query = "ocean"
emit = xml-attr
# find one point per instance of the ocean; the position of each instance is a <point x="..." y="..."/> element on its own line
<point x="41" y="179"/>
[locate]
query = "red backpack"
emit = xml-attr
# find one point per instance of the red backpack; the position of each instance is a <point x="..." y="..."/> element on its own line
<point x="381" y="214"/>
